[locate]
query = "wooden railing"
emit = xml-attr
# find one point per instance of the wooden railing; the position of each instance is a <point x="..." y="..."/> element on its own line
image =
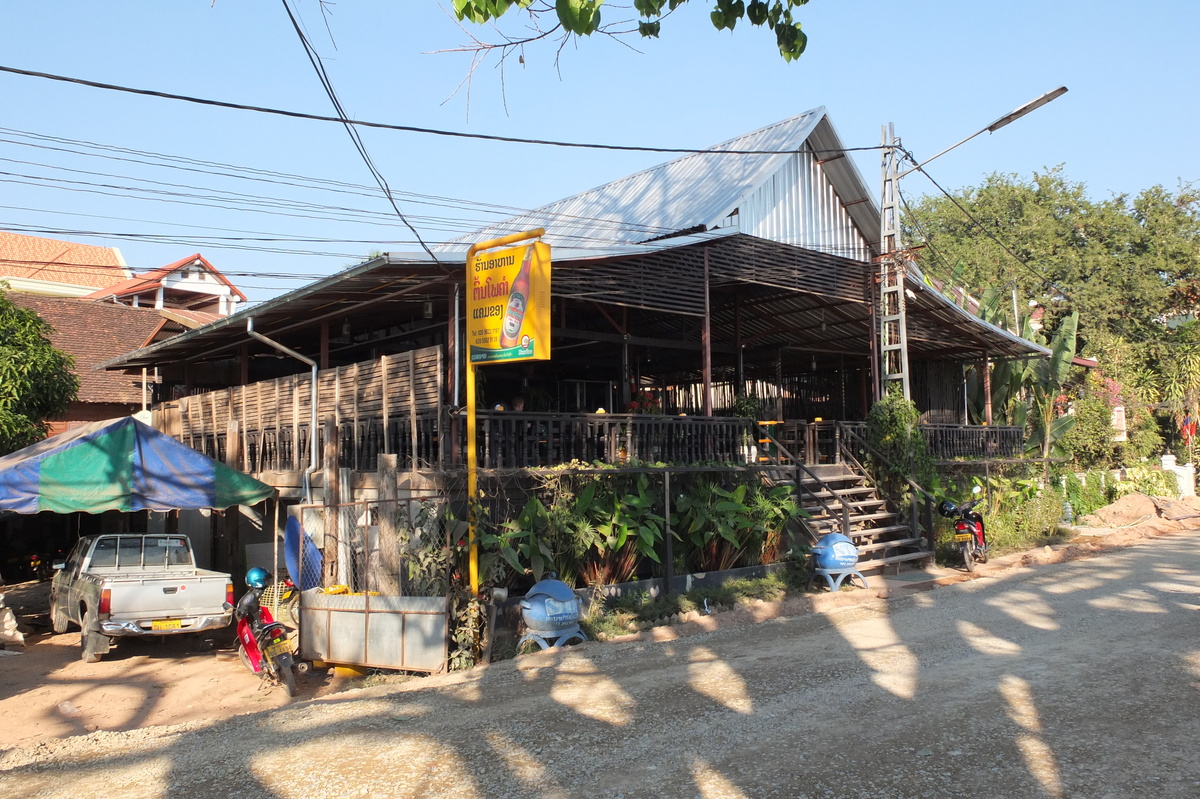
<point x="389" y="405"/>
<point x="518" y="440"/>
<point x="946" y="442"/>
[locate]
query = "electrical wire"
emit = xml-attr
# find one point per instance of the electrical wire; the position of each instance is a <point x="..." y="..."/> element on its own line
<point x="1046" y="279"/>
<point x="318" y="65"/>
<point x="409" y="128"/>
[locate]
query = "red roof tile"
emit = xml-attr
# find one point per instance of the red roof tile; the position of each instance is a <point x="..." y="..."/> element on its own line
<point x="93" y="333"/>
<point x="153" y="279"/>
<point x="60" y="261"/>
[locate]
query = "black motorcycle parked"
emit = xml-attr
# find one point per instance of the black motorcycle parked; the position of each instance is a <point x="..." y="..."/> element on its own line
<point x="969" y="534"/>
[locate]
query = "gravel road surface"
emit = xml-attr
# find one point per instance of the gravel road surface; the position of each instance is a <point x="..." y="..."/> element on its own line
<point x="1076" y="679"/>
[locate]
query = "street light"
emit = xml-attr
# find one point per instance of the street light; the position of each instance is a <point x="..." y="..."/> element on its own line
<point x="1007" y="119"/>
<point x="890" y="350"/>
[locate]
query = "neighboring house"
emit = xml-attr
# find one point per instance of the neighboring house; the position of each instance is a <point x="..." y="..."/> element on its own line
<point x="93" y="333"/>
<point x="67" y="285"/>
<point x="55" y="268"/>
<point x="191" y="284"/>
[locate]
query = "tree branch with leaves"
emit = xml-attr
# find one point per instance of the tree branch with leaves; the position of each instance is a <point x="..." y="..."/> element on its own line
<point x="583" y="18"/>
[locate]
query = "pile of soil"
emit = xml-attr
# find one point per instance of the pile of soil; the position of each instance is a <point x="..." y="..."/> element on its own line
<point x="1136" y="510"/>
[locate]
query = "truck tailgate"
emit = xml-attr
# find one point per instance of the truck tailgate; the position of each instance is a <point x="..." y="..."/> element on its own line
<point x="167" y="595"/>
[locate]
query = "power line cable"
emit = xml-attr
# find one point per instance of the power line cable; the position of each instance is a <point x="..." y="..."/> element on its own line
<point x="325" y="184"/>
<point x="318" y="65"/>
<point x="409" y="128"/>
<point x="1046" y="279"/>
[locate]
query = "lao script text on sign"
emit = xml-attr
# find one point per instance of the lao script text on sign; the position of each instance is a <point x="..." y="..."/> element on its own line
<point x="508" y="304"/>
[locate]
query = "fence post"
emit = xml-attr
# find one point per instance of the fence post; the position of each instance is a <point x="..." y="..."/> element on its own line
<point x="389" y="578"/>
<point x="669" y="555"/>
<point x="331" y="501"/>
<point x="929" y="531"/>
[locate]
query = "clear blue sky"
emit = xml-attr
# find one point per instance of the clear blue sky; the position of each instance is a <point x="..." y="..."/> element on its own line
<point x="938" y="70"/>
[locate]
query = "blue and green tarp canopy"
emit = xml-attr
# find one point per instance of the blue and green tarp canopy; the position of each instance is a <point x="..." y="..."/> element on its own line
<point x="119" y="464"/>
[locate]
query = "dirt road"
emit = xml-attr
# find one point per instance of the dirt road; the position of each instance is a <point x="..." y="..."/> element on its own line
<point x="47" y="692"/>
<point x="1076" y="679"/>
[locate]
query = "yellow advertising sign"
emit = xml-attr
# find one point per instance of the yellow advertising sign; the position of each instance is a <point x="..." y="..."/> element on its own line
<point x="508" y="304"/>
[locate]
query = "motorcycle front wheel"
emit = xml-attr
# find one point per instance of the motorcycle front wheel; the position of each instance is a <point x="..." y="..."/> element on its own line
<point x="244" y="657"/>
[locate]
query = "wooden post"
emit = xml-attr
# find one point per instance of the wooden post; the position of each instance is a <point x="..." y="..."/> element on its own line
<point x="412" y="405"/>
<point x="669" y="555"/>
<point x="331" y="502"/>
<point x="294" y="383"/>
<point x="233" y="445"/>
<point x="706" y="343"/>
<point x="387" y="403"/>
<point x="231" y="533"/>
<point x="388" y="579"/>
<point x="740" y="387"/>
<point x="323" y="362"/>
<point x="987" y="389"/>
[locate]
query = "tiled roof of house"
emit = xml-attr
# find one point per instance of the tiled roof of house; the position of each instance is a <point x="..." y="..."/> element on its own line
<point x="36" y="258"/>
<point x="153" y="279"/>
<point x="93" y="333"/>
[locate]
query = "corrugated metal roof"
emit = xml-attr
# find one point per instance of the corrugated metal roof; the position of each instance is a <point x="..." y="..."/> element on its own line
<point x="696" y="192"/>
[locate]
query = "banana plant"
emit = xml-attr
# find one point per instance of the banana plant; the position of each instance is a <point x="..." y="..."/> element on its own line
<point x="1050" y="375"/>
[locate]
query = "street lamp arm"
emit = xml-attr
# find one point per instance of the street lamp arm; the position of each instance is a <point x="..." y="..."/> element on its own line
<point x="1008" y="118"/>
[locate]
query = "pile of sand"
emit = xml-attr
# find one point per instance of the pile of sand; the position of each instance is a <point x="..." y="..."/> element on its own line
<point x="1136" y="509"/>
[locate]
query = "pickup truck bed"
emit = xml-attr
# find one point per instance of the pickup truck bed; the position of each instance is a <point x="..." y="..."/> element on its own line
<point x="133" y="585"/>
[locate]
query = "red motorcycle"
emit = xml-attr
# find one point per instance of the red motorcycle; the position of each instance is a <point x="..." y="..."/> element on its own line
<point x="969" y="535"/>
<point x="264" y="645"/>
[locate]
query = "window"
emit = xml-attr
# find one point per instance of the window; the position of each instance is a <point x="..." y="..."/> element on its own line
<point x="105" y="554"/>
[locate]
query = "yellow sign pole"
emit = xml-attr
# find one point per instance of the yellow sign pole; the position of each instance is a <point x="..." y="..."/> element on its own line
<point x="472" y="450"/>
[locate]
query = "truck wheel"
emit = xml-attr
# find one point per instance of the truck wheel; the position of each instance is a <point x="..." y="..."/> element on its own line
<point x="91" y="640"/>
<point x="58" y="618"/>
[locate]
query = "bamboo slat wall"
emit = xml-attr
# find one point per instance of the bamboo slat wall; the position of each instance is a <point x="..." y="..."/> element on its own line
<point x="389" y="405"/>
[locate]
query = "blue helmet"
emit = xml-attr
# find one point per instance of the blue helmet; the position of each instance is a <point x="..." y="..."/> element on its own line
<point x="258" y="578"/>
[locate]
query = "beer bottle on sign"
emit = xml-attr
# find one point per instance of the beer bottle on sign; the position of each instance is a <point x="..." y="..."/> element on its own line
<point x="518" y="299"/>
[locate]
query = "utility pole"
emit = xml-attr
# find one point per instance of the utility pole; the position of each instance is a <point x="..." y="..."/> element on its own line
<point x="892" y="324"/>
<point x="891" y="331"/>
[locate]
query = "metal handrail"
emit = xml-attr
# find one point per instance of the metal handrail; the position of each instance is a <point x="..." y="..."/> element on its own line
<point x="800" y="467"/>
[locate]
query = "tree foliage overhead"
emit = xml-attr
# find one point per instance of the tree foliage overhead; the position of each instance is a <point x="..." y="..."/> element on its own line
<point x="1130" y="269"/>
<point x="1123" y="264"/>
<point x="583" y="18"/>
<point x="37" y="381"/>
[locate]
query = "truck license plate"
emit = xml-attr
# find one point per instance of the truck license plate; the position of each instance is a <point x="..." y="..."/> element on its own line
<point x="166" y="624"/>
<point x="960" y="537"/>
<point x="278" y="648"/>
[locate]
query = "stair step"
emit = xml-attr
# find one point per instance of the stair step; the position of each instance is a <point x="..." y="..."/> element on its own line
<point x="883" y="518"/>
<point x="840" y="478"/>
<point x="840" y="492"/>
<point x="876" y="532"/>
<point x="883" y="546"/>
<point x="859" y="504"/>
<point x="892" y="560"/>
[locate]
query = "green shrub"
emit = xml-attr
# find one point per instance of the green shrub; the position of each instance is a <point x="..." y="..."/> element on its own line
<point x="1090" y="441"/>
<point x="1147" y="479"/>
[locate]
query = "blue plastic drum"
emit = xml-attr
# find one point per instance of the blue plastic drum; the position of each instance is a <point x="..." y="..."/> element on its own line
<point x="835" y="551"/>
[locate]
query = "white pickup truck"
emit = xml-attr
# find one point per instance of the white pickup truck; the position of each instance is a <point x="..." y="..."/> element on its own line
<point x="136" y="585"/>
